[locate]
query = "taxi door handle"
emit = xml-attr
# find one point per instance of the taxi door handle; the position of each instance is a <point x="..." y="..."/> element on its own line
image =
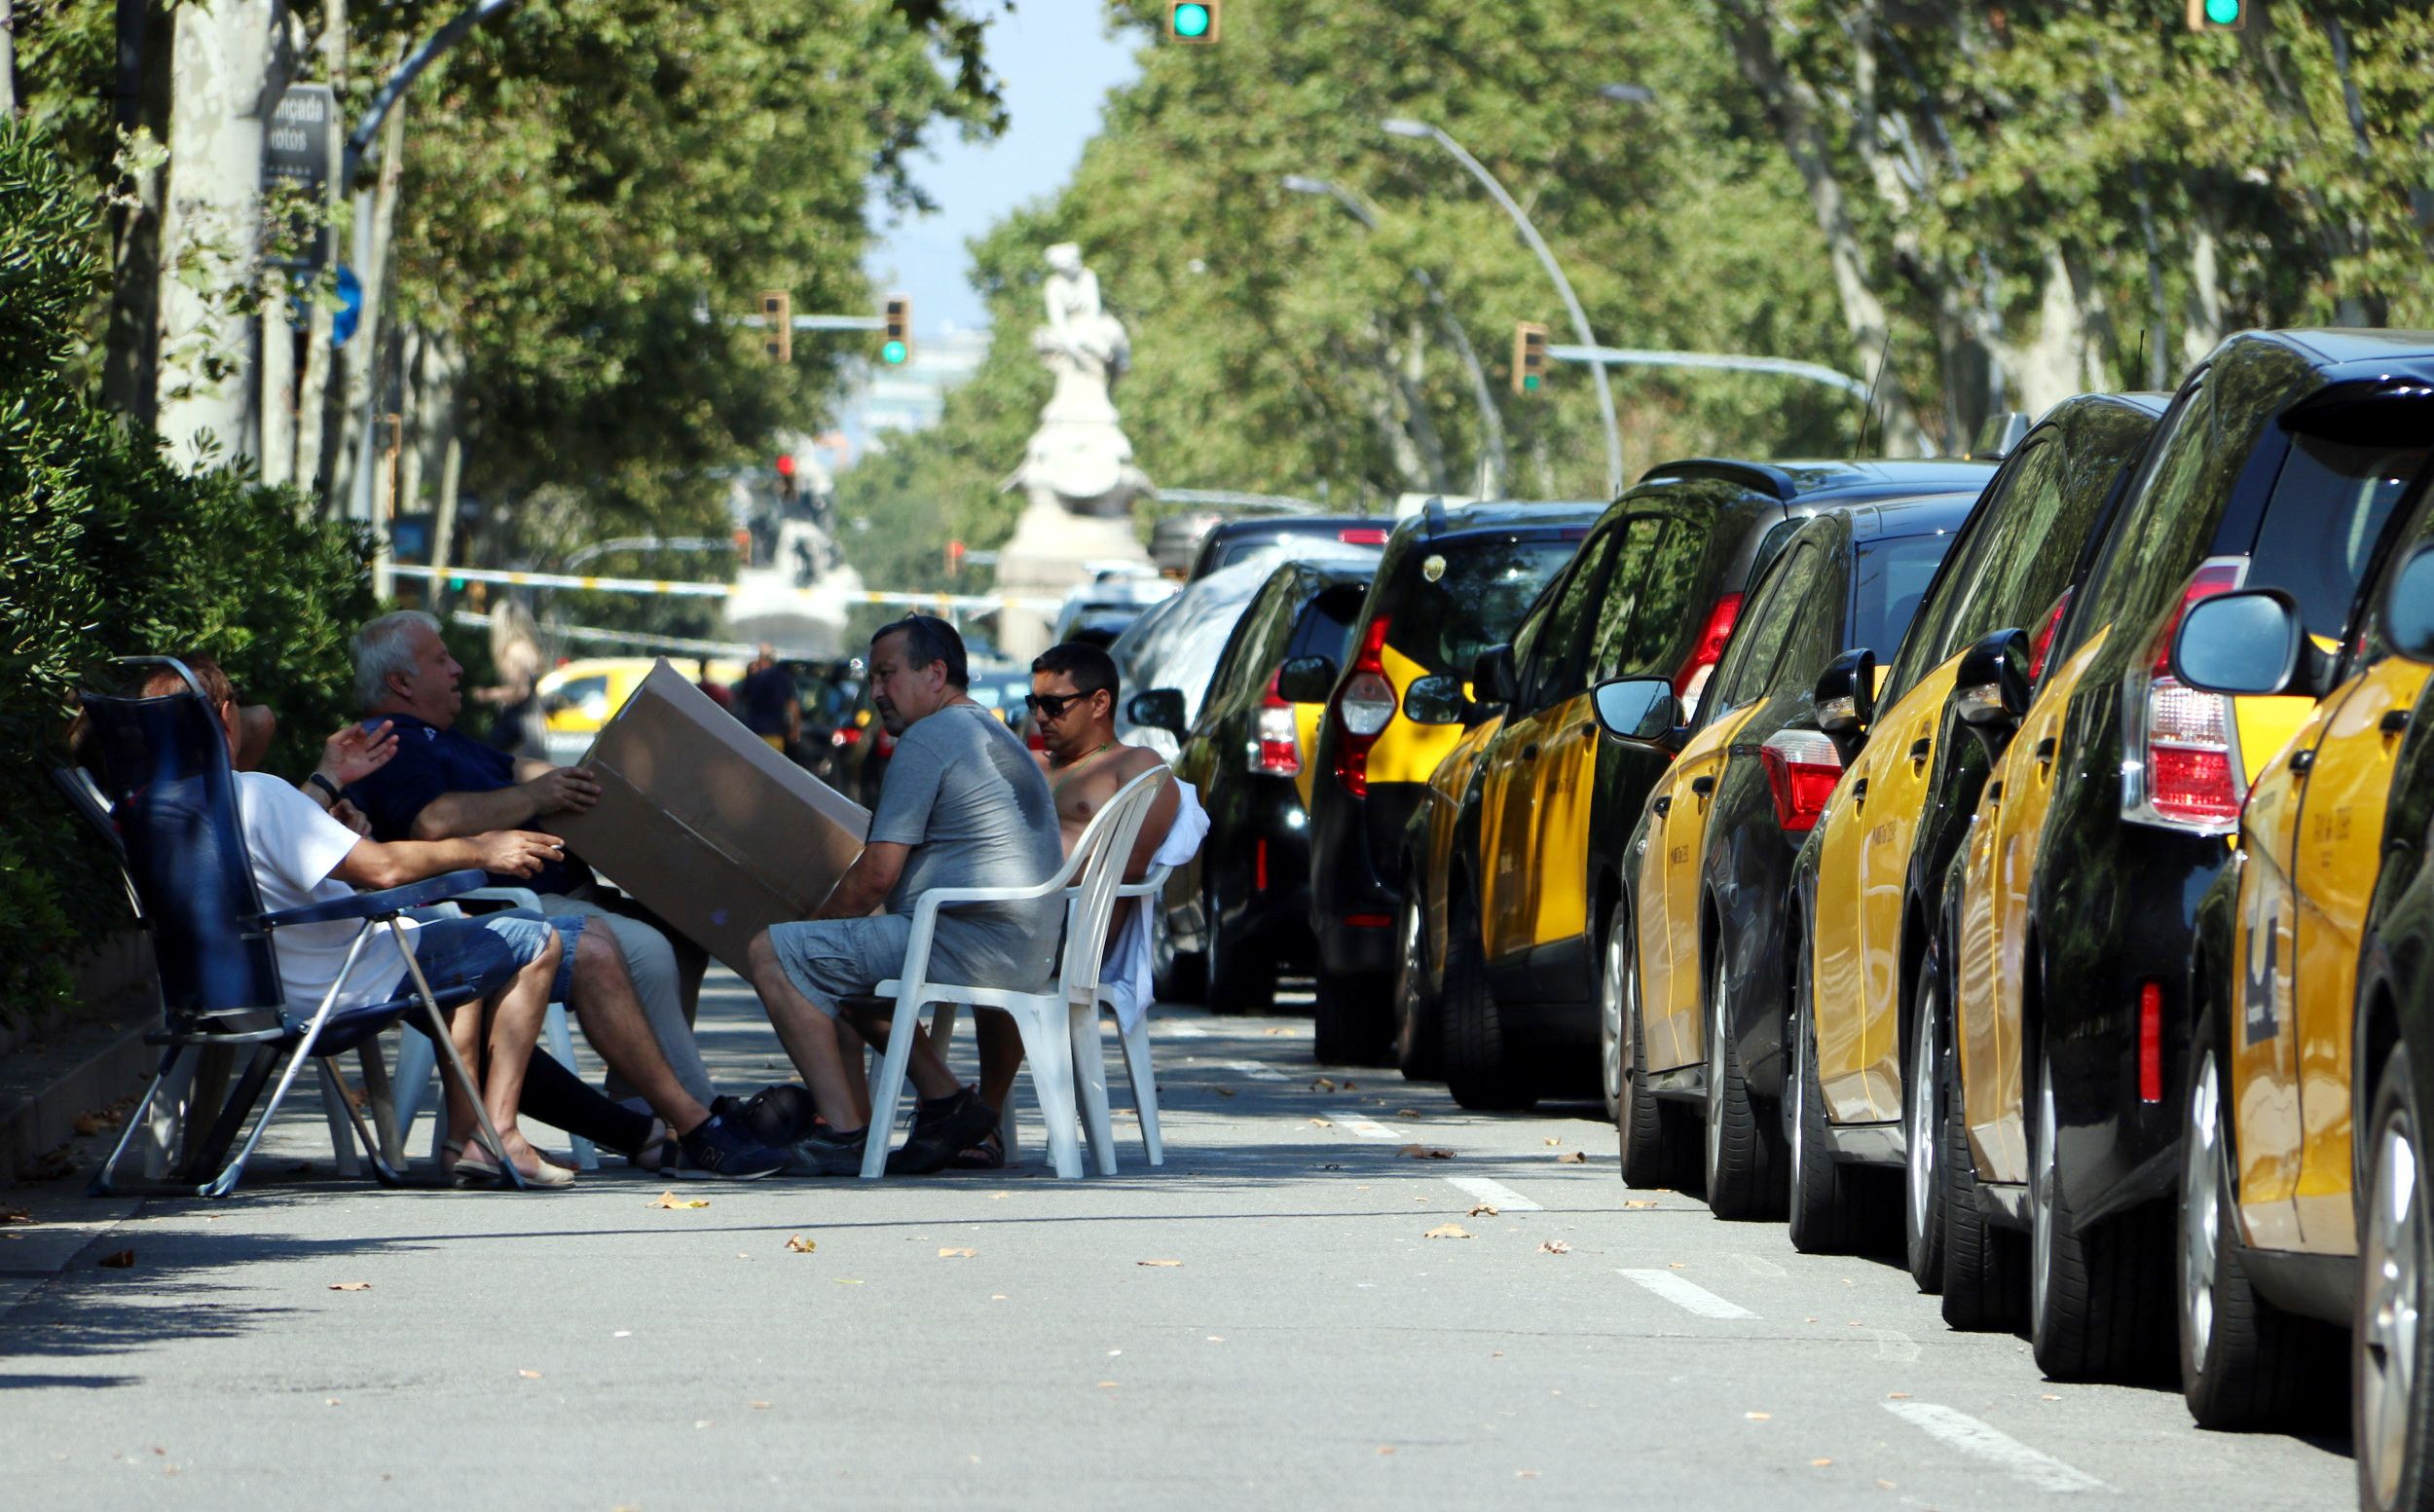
<point x="1663" y="805"/>
<point x="2394" y="720"/>
<point x="1859" y="791"/>
<point x="2044" y="751"/>
<point x="1702" y="787"/>
<point x="1994" y="793"/>
<point x="1920" y="749"/>
<point x="2301" y="762"/>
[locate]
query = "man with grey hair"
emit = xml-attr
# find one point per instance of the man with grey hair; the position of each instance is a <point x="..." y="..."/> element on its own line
<point x="442" y="785"/>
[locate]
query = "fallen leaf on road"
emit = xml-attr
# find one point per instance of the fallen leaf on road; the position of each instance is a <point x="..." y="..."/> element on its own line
<point x="118" y="1260"/>
<point x="2051" y="1397"/>
<point x="962" y="1254"/>
<point x="1674" y="1264"/>
<point x="1386" y="1449"/>
<point x="1426" y="1153"/>
<point x="1525" y="1475"/>
<point x="801" y="1245"/>
<point x="1106" y="1385"/>
<point x="671" y="1199"/>
<point x="998" y="1196"/>
<point x="1323" y="1123"/>
<point x="351" y="1286"/>
<point x="1897" y="1396"/>
<point x="1483" y="1210"/>
<point x="1223" y="1091"/>
<point x="1553" y="1247"/>
<point x="1407" y="1113"/>
<point x="1447" y="1230"/>
<point x="1884" y="1485"/>
<point x="1322" y="1084"/>
<point x="1820" y="1463"/>
<point x="1640" y="1201"/>
<point x="758" y="1406"/>
<point x="997" y="1295"/>
<point x="1351" y="1086"/>
<point x="1757" y="1416"/>
<point x="1554" y="1141"/>
<point x="847" y="1281"/>
<point x="15" y="1215"/>
<point x="529" y="1374"/>
<point x="1573" y="1157"/>
<point x="1160" y="1264"/>
<point x="1271" y="1033"/>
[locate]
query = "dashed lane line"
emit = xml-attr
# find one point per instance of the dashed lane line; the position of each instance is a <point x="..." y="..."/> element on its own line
<point x="1689" y="1296"/>
<point x="1986" y="1442"/>
<point x="1495" y="1194"/>
<point x="1254" y="1070"/>
<point x="1175" y="1030"/>
<point x="1370" y="1128"/>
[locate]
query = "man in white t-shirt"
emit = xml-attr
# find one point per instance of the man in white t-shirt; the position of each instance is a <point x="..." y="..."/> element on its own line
<point x="304" y="851"/>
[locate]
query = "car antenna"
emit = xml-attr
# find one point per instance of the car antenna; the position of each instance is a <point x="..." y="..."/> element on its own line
<point x="2138" y="364"/>
<point x="1868" y="409"/>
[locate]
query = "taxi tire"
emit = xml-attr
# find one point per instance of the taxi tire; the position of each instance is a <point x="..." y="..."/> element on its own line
<point x="1833" y="1207"/>
<point x="1985" y="1283"/>
<point x="2256" y="1364"/>
<point x="1481" y="1070"/>
<point x="1922" y="1126"/>
<point x="2099" y="1295"/>
<point x="2394" y="1440"/>
<point x="1416" y="1033"/>
<point x="1354" y="1020"/>
<point x="1656" y="1150"/>
<point x="1742" y="1153"/>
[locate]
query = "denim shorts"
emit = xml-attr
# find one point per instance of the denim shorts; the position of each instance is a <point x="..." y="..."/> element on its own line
<point x="484" y="953"/>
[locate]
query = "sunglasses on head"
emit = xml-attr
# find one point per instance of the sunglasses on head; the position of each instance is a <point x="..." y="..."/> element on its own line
<point x="1052" y="705"/>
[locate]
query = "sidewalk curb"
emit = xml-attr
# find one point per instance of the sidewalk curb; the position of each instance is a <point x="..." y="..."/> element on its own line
<point x="46" y="1119"/>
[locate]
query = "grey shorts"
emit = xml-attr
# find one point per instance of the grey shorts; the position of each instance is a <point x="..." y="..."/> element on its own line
<point x="830" y="960"/>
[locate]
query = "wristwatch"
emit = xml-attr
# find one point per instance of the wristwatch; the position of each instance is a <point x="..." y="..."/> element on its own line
<point x="321" y="782"/>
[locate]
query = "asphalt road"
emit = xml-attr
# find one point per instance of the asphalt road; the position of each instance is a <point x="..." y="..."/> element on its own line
<point x="1266" y="1321"/>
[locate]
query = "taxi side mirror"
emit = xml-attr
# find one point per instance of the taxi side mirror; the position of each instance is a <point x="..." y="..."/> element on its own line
<point x="1159" y="708"/>
<point x="1305" y="680"/>
<point x="1846" y="695"/>
<point x="1639" y="709"/>
<point x="1436" y="699"/>
<point x="2248" y="642"/>
<point x="1493" y="676"/>
<point x="2408" y="607"/>
<point x="1990" y="689"/>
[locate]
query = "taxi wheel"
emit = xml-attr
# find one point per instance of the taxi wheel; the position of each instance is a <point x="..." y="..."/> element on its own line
<point x="1175" y="975"/>
<point x="2244" y="1362"/>
<point x="2392" y="1410"/>
<point x="1414" y="1010"/>
<point x="1834" y="1207"/>
<point x="1240" y="979"/>
<point x="1481" y="1070"/>
<point x="1921" y="1129"/>
<point x="1354" y="1020"/>
<point x="1654" y="1149"/>
<point x="1745" y="1170"/>
<point x="2094" y="1301"/>
<point x="1983" y="1285"/>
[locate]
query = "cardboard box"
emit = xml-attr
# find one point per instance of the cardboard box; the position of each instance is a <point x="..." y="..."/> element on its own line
<point x="704" y="823"/>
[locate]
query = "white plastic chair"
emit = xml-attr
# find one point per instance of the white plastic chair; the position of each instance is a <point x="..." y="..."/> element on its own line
<point x="1059" y="1027"/>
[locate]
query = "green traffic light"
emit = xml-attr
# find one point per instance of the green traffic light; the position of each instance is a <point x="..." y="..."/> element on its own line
<point x="1191" y="21"/>
<point x="1529" y="381"/>
<point x="891" y="353"/>
<point x="2222" y="13"/>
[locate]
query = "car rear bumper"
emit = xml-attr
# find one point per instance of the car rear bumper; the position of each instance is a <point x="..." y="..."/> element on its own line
<point x="1355" y="853"/>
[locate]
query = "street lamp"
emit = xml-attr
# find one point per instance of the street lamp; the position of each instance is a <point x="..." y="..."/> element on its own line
<point x="1421" y="131"/>
<point x="1627" y="93"/>
<point x="1491" y="423"/>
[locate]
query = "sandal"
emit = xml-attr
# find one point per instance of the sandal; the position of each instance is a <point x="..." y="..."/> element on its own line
<point x="476" y="1171"/>
<point x="988" y="1154"/>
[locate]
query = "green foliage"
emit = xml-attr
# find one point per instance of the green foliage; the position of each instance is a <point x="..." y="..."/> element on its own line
<point x="112" y="552"/>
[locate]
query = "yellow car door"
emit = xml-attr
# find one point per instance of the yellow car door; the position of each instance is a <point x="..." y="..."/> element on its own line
<point x="1567" y="774"/>
<point x="2263" y="1068"/>
<point x="1668" y="895"/>
<point x="1507" y="796"/>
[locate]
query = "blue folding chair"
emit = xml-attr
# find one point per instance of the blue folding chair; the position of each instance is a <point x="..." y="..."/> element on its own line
<point x="172" y="804"/>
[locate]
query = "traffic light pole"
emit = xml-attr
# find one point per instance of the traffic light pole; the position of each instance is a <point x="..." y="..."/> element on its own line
<point x="1600" y="359"/>
<point x="1420" y="129"/>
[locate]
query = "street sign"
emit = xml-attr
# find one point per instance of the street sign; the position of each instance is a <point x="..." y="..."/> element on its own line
<point x="350" y="311"/>
<point x="297" y="151"/>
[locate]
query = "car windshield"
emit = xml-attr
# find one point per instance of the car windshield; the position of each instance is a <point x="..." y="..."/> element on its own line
<point x="1894" y="574"/>
<point x="2329" y="505"/>
<point x="1453" y="602"/>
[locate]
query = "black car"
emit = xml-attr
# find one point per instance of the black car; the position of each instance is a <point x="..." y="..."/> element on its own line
<point x="1455" y="581"/>
<point x="1530" y="873"/>
<point x="1232" y="540"/>
<point x="2278" y="466"/>
<point x="1239" y="912"/>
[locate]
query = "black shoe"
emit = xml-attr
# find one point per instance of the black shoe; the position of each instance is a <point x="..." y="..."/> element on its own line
<point x="939" y="1136"/>
<point x="825" y="1152"/>
<point x="719" y="1148"/>
<point x="776" y="1116"/>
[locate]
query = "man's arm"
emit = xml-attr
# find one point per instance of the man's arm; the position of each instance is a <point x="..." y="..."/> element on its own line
<point x="1159" y="818"/>
<point x="866" y="884"/>
<point x="553" y="790"/>
<point x="515" y="853"/>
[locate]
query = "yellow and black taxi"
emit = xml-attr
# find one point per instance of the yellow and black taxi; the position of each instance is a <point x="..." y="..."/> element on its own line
<point x="1525" y="880"/>
<point x="1694" y="952"/>
<point x="2106" y="816"/>
<point x="1871" y="877"/>
<point x="1238" y="911"/>
<point x="1453" y="581"/>
<point x="2289" y="1050"/>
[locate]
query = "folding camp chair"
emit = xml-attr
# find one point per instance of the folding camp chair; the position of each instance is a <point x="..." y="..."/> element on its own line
<point x="173" y="801"/>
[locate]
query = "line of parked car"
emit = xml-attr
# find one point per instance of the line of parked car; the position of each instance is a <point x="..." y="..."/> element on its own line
<point x="2023" y="865"/>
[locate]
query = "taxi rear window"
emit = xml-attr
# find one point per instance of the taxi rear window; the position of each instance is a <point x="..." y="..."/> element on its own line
<point x="1456" y="599"/>
<point x="2329" y="505"/>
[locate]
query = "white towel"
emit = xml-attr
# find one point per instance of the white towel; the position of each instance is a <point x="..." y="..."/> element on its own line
<point x="1125" y="975"/>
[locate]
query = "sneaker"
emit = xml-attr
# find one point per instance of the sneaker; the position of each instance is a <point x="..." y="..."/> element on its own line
<point x="824" y="1152"/>
<point x="939" y="1134"/>
<point x="719" y="1148"/>
<point x="776" y="1115"/>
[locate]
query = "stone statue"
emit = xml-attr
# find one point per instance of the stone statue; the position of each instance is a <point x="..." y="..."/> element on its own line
<point x="1079" y="461"/>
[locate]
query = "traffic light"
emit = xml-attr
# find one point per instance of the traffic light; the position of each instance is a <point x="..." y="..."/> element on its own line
<point x="954" y="559"/>
<point x="1529" y="356"/>
<point x="2218" y="14"/>
<point x="1192" y="20"/>
<point x="786" y="476"/>
<point x="777" y="326"/>
<point x="896" y="344"/>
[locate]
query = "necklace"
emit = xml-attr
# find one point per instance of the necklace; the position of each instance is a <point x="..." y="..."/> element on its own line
<point x="1068" y="766"/>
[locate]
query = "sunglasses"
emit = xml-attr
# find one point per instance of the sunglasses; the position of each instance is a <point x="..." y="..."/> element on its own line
<point x="1052" y="705"/>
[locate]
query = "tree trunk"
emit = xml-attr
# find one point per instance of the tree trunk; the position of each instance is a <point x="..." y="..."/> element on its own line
<point x="130" y="365"/>
<point x="375" y="216"/>
<point x="1409" y="377"/>
<point x="312" y="381"/>
<point x="278" y="383"/>
<point x="8" y="58"/>
<point x="209" y="395"/>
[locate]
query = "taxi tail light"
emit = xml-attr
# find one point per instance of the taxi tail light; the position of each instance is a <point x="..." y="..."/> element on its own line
<point x="1364" y="706"/>
<point x="1277" y="745"/>
<point x="1691" y="681"/>
<point x="847" y="735"/>
<point x="1362" y="535"/>
<point x="1802" y="767"/>
<point x="2182" y="767"/>
<point x="2150" y="1041"/>
<point x="2045" y="629"/>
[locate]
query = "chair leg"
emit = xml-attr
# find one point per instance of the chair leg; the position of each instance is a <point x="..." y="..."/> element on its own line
<point x="384" y="1100"/>
<point x="205" y="1155"/>
<point x="335" y="1110"/>
<point x="1089" y="1084"/>
<point x="889" y="1089"/>
<point x="1049" y="1056"/>
<point x="412" y="1083"/>
<point x="455" y="1064"/>
<point x="226" y="1182"/>
<point x="562" y="1048"/>
<point x="99" y="1186"/>
<point x="382" y="1171"/>
<point x="1144" y="1078"/>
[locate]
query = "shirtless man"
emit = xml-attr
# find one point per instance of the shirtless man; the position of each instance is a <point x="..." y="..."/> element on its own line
<point x="1073" y="696"/>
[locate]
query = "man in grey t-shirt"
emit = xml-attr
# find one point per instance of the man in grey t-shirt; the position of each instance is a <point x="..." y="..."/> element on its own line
<point x="964" y="805"/>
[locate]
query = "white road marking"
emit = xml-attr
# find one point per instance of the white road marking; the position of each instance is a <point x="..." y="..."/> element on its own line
<point x="1174" y="1030"/>
<point x="1254" y="1070"/>
<point x="1495" y="1194"/>
<point x="1686" y="1295"/>
<point x="1972" y="1437"/>
<point x="1757" y="1266"/>
<point x="1370" y="1128"/>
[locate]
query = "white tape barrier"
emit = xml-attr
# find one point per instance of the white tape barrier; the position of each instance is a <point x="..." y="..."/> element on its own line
<point x="975" y="602"/>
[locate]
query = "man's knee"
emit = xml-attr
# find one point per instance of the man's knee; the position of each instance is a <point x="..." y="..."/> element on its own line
<point x="759" y="955"/>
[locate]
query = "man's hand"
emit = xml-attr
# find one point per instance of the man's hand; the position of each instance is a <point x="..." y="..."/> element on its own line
<point x="348" y="814"/>
<point x="518" y="853"/>
<point x="357" y="752"/>
<point x="563" y="789"/>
